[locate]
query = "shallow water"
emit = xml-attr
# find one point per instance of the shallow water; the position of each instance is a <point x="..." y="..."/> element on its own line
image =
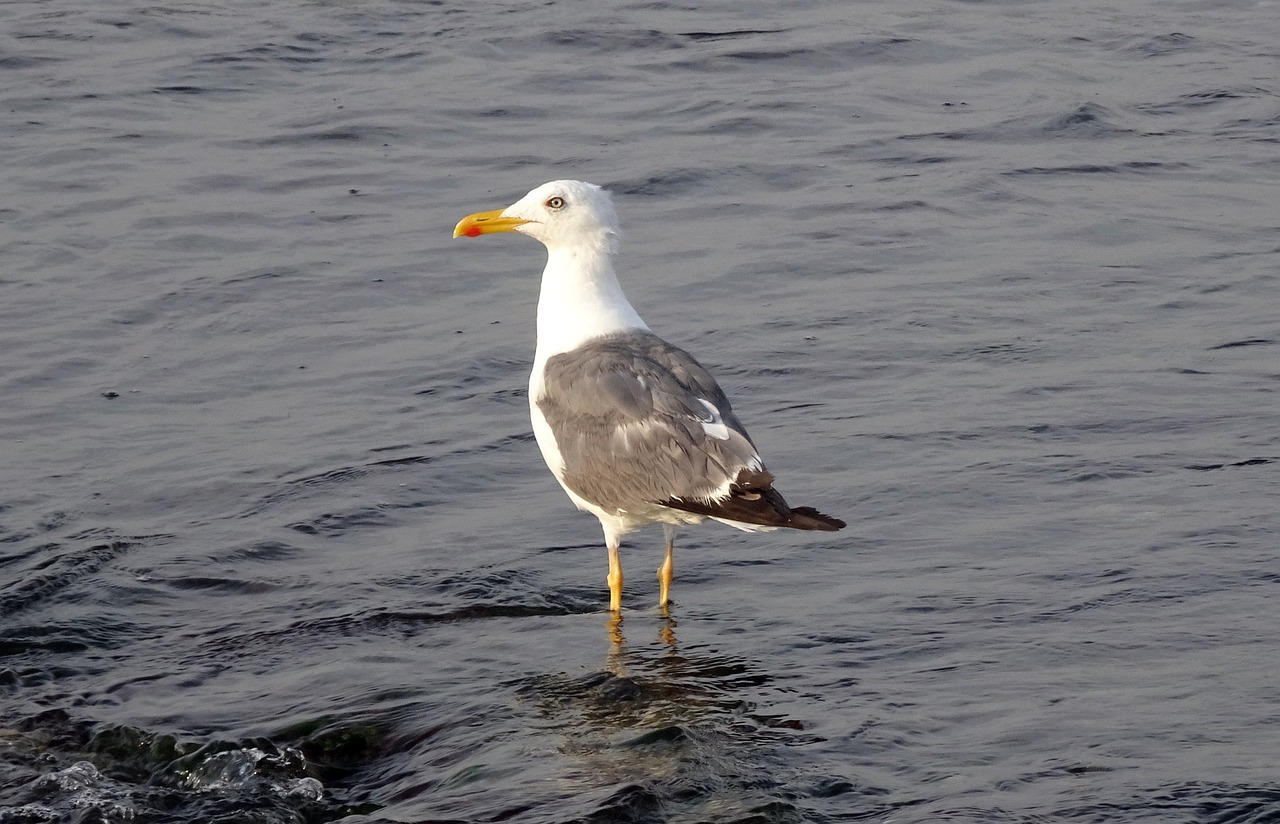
<point x="994" y="282"/>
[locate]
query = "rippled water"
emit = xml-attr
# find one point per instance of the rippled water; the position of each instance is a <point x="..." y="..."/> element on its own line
<point x="995" y="282"/>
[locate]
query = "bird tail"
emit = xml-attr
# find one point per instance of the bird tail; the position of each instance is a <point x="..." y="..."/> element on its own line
<point x="752" y="500"/>
<point x="806" y="517"/>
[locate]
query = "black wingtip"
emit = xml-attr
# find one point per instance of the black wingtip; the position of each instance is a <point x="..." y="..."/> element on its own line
<point x="753" y="500"/>
<point x="806" y="517"/>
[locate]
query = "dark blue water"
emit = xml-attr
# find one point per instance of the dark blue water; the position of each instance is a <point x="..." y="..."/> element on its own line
<point x="995" y="282"/>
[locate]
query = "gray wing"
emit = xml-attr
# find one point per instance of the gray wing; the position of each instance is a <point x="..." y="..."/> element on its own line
<point x="639" y="421"/>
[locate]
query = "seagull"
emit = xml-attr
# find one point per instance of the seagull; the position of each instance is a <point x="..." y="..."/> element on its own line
<point x="635" y="430"/>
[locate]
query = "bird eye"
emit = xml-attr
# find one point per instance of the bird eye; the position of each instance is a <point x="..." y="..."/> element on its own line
<point x="556" y="202"/>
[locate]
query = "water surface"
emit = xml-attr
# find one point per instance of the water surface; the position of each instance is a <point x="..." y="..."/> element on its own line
<point x="994" y="282"/>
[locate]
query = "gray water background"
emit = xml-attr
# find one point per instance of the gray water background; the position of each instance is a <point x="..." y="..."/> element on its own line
<point x="996" y="282"/>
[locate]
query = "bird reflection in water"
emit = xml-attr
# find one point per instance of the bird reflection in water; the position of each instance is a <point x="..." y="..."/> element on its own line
<point x="615" y="659"/>
<point x="657" y="719"/>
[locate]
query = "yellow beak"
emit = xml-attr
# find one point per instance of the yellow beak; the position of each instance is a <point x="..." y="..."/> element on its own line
<point x="486" y="223"/>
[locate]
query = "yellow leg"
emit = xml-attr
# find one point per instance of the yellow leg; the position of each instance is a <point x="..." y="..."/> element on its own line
<point x="668" y="569"/>
<point x="615" y="578"/>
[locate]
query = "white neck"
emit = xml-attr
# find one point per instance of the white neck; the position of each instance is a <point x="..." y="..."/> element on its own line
<point x="580" y="300"/>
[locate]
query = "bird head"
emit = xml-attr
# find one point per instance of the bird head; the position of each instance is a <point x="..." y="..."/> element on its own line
<point x="561" y="213"/>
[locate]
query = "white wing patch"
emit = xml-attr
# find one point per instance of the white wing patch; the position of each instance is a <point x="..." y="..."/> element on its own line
<point x="715" y="427"/>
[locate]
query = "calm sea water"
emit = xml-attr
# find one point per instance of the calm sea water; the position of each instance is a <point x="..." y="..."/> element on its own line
<point x="995" y="282"/>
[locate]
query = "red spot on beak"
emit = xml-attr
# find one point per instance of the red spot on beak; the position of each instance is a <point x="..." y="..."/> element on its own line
<point x="472" y="231"/>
